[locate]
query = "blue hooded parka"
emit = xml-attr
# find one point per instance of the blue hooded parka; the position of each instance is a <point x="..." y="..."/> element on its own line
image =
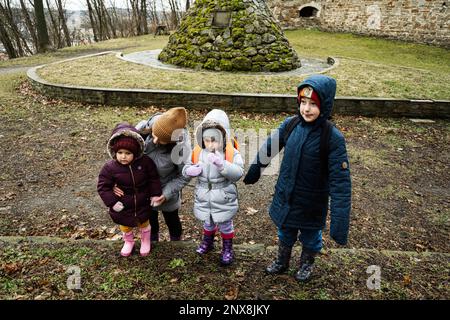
<point x="302" y="192"/>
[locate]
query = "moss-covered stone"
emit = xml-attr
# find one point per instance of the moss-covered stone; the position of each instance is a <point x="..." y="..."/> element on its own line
<point x="211" y="64"/>
<point x="254" y="41"/>
<point x="242" y="64"/>
<point x="225" y="65"/>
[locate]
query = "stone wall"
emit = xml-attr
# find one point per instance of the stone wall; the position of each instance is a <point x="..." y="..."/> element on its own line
<point x="230" y="35"/>
<point x="265" y="103"/>
<point x="423" y="21"/>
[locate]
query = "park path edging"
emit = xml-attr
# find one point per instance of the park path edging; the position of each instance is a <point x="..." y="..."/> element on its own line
<point x="246" y="102"/>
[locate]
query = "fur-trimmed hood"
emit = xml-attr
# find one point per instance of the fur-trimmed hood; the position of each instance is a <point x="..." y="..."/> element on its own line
<point x="125" y="130"/>
<point x="217" y="119"/>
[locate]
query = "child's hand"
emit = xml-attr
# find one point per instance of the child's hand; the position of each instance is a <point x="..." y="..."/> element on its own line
<point x="216" y="159"/>
<point x="194" y="171"/>
<point x="253" y="174"/>
<point x="157" y="201"/>
<point x="117" y="191"/>
<point x="118" y="206"/>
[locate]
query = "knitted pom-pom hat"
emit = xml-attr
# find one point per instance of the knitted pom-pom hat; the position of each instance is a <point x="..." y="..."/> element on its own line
<point x="169" y="121"/>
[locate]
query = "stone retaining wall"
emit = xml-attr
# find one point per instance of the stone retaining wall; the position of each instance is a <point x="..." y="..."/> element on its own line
<point x="423" y="21"/>
<point x="243" y="102"/>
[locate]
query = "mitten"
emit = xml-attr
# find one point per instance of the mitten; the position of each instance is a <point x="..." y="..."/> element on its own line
<point x="339" y="231"/>
<point x="216" y="160"/>
<point x="118" y="206"/>
<point x="194" y="171"/>
<point x="253" y="174"/>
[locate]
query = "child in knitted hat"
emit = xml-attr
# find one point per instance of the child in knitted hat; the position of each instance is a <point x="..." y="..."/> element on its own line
<point x="218" y="165"/>
<point x="314" y="168"/>
<point x="167" y="143"/>
<point x="137" y="176"/>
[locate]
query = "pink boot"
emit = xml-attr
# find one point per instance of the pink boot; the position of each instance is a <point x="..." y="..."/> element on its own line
<point x="145" y="241"/>
<point x="128" y="245"/>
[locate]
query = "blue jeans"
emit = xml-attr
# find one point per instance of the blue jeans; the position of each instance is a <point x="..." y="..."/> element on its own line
<point x="310" y="239"/>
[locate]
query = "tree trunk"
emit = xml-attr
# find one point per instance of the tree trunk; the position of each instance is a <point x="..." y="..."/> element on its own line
<point x="144" y="16"/>
<point x="29" y="23"/>
<point x="14" y="33"/>
<point x="109" y="23"/>
<point x="6" y="40"/>
<point x="62" y="18"/>
<point x="55" y="27"/>
<point x="92" y="19"/>
<point x="41" y="25"/>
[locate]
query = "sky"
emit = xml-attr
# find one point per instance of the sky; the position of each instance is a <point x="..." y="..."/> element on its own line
<point x="81" y="4"/>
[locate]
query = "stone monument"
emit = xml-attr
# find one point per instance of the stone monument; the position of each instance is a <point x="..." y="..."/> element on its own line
<point x="230" y="35"/>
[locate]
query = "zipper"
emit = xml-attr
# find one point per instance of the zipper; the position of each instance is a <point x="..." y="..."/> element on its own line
<point x="208" y="171"/>
<point x="134" y="194"/>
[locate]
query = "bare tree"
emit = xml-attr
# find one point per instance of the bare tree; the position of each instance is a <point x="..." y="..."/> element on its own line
<point x="55" y="31"/>
<point x="174" y="13"/>
<point x="41" y="26"/>
<point x="144" y="16"/>
<point x="153" y="14"/>
<point x="6" y="40"/>
<point x="92" y="20"/>
<point x="30" y="23"/>
<point x="10" y="18"/>
<point x="63" y="22"/>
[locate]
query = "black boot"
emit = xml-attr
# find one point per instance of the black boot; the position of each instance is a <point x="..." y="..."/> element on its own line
<point x="282" y="263"/>
<point x="306" y="265"/>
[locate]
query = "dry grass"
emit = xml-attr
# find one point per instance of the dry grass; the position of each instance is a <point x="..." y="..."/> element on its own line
<point x="368" y="67"/>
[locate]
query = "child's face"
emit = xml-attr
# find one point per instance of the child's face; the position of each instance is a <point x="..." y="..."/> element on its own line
<point x="308" y="109"/>
<point x="211" y="145"/>
<point x="124" y="156"/>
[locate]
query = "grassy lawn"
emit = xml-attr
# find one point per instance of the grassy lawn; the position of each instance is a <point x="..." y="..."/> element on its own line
<point x="369" y="67"/>
<point x="42" y="270"/>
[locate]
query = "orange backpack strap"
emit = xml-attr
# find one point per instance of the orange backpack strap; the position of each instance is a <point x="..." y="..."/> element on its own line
<point x="229" y="150"/>
<point x="236" y="144"/>
<point x="196" y="154"/>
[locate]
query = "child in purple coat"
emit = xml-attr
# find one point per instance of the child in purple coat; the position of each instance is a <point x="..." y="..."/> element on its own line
<point x="137" y="176"/>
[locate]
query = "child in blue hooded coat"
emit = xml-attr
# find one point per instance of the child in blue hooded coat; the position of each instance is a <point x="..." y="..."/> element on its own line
<point x="300" y="203"/>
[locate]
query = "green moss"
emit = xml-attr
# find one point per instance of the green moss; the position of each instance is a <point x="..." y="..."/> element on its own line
<point x="242" y="63"/>
<point x="259" y="58"/>
<point x="225" y="65"/>
<point x="163" y="56"/>
<point x="272" y="57"/>
<point x="237" y="33"/>
<point x="210" y="64"/>
<point x="256" y="68"/>
<point x="274" y="66"/>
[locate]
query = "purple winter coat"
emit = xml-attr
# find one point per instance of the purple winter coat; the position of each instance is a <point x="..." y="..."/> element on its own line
<point x="139" y="181"/>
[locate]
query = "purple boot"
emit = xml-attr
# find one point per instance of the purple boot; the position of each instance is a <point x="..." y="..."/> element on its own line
<point x="154" y="237"/>
<point x="207" y="243"/>
<point x="173" y="238"/>
<point x="227" y="255"/>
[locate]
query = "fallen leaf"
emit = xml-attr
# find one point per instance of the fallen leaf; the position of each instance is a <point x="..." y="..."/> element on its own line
<point x="115" y="237"/>
<point x="251" y="211"/>
<point x="11" y="268"/>
<point x="406" y="280"/>
<point x="232" y="293"/>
